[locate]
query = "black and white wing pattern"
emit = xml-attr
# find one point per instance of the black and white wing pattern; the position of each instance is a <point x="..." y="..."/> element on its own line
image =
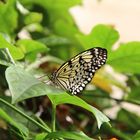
<point x="76" y="73"/>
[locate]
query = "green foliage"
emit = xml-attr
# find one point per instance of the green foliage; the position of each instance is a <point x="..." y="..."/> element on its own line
<point x="128" y="54"/>
<point x="137" y="136"/>
<point x="35" y="37"/>
<point x="33" y="17"/>
<point x="101" y="35"/>
<point x="19" y="126"/>
<point x="8" y="17"/>
<point x="31" y="48"/>
<point x="15" y="52"/>
<point x="134" y="95"/>
<point x="129" y="119"/>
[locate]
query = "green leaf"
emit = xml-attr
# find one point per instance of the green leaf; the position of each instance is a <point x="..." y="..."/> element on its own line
<point x="23" y="86"/>
<point x="101" y="35"/>
<point x="129" y="119"/>
<point x="40" y="136"/>
<point x="54" y="41"/>
<point x="15" y="52"/>
<point x="136" y="136"/>
<point x="126" y="58"/>
<point x="113" y="131"/>
<point x="66" y="98"/>
<point x="68" y="135"/>
<point x="31" y="48"/>
<point x="33" y="17"/>
<point x="22" y="129"/>
<point x="8" y="17"/>
<point x="134" y="95"/>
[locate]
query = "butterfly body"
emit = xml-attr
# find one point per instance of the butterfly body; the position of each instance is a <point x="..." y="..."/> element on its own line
<point x="76" y="73"/>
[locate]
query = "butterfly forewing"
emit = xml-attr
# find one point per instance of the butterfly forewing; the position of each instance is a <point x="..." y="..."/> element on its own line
<point x="76" y="73"/>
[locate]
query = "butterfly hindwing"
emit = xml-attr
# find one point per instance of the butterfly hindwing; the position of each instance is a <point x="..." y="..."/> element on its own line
<point x="76" y="73"/>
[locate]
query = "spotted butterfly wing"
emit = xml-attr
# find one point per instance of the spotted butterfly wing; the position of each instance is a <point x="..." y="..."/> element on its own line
<point x="76" y="73"/>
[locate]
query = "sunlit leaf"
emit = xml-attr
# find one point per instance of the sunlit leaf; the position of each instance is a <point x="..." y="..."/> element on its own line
<point x="31" y="47"/>
<point x="15" y="52"/>
<point x="33" y="17"/>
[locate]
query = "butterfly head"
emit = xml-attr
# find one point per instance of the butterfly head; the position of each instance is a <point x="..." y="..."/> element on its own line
<point x="53" y="77"/>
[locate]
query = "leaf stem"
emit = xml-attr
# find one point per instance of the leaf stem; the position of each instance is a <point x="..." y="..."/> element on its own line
<point x="11" y="58"/>
<point x="53" y="117"/>
<point x="24" y="115"/>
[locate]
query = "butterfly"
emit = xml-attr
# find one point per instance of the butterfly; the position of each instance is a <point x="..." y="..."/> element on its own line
<point x="75" y="74"/>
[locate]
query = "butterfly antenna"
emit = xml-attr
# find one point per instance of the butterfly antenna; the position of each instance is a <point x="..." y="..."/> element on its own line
<point x="48" y="81"/>
<point x="39" y="78"/>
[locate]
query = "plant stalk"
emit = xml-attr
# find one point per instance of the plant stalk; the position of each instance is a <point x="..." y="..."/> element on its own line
<point x="53" y="117"/>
